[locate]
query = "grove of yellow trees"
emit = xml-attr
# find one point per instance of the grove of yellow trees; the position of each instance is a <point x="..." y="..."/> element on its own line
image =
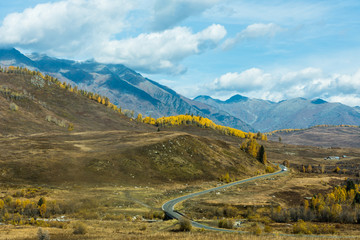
<point x="202" y="122"/>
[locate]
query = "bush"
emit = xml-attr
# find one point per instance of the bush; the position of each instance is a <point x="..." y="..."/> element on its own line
<point x="185" y="225"/>
<point x="268" y="229"/>
<point x="226" y="223"/>
<point x="230" y="211"/>
<point x="119" y="217"/>
<point x="337" y="170"/>
<point x="154" y="215"/>
<point x="256" y="229"/>
<point x="13" y="107"/>
<point x="269" y="169"/>
<point x="80" y="228"/>
<point x="43" y="235"/>
<point x="302" y="227"/>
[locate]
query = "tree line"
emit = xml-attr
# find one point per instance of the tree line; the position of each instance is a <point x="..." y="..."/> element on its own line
<point x="199" y="121"/>
<point x="178" y="120"/>
<point x="316" y="126"/>
<point x="341" y="205"/>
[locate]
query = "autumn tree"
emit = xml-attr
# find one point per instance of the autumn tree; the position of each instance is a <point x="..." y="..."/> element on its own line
<point x="286" y="163"/>
<point x="309" y="168"/>
<point x="139" y="117"/>
<point x="262" y="155"/>
<point x="41" y="201"/>
<point x="250" y="146"/>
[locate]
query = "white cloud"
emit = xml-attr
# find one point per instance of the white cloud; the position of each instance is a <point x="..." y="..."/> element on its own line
<point x="351" y="99"/>
<point x="167" y="13"/>
<point x="161" y="51"/>
<point x="257" y="30"/>
<point x="100" y="29"/>
<point x="65" y="28"/>
<point x="309" y="83"/>
<point x="248" y="80"/>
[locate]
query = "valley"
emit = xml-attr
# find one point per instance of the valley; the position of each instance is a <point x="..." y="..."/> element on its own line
<point x="179" y="120"/>
<point x="89" y="171"/>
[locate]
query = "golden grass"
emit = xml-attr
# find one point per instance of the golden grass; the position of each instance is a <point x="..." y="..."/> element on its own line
<point x="137" y="230"/>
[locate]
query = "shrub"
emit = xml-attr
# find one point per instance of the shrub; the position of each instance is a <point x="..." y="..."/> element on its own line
<point x="269" y="169"/>
<point x="43" y="235"/>
<point x="230" y="211"/>
<point x="185" y="225"/>
<point x="268" y="229"/>
<point x="256" y="229"/>
<point x="154" y="215"/>
<point x="226" y="223"/>
<point x="13" y="107"/>
<point x="302" y="227"/>
<point x="80" y="228"/>
<point x="119" y="217"/>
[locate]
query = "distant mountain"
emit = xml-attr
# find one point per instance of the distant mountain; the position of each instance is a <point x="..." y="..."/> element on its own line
<point x="357" y="108"/>
<point x="130" y="90"/>
<point x="294" y="113"/>
<point x="124" y="87"/>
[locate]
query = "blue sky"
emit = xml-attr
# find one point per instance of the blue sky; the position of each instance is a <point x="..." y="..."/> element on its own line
<point x="268" y="49"/>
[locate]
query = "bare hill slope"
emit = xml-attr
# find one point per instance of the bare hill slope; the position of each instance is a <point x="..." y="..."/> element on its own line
<point x="104" y="146"/>
<point x="322" y="137"/>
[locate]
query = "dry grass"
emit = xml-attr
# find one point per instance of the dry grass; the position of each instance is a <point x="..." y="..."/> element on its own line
<point x="135" y="230"/>
<point x="322" y="137"/>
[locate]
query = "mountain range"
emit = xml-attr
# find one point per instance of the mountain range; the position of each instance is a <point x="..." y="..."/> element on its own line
<point x="123" y="86"/>
<point x="130" y="90"/>
<point x="294" y="113"/>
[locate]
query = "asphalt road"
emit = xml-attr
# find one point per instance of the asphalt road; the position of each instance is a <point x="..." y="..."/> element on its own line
<point x="168" y="207"/>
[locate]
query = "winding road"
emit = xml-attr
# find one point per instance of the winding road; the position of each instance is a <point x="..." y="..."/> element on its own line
<point x="168" y="207"/>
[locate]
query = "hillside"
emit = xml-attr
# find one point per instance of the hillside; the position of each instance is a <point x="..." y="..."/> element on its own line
<point x="38" y="145"/>
<point x="123" y="86"/>
<point x="39" y="100"/>
<point x="322" y="136"/>
<point x="293" y="113"/>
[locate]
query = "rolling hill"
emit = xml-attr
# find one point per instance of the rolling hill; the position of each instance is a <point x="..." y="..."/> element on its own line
<point x="321" y="136"/>
<point x="123" y="86"/>
<point x="56" y="135"/>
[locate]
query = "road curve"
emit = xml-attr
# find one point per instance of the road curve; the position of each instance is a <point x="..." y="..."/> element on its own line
<point x="168" y="207"/>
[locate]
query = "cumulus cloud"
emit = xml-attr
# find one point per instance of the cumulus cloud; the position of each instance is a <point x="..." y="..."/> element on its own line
<point x="257" y="30"/>
<point x="65" y="28"/>
<point x="103" y="29"/>
<point x="167" y="13"/>
<point x="248" y="80"/>
<point x="309" y="83"/>
<point x="161" y="51"/>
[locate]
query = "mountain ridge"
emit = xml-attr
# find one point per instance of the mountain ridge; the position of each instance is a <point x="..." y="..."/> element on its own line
<point x="123" y="86"/>
<point x="128" y="89"/>
<point x="293" y="113"/>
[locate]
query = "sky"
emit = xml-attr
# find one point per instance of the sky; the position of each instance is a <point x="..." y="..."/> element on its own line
<point x="267" y="49"/>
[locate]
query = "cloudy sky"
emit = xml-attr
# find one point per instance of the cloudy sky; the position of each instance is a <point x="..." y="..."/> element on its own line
<point x="269" y="49"/>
